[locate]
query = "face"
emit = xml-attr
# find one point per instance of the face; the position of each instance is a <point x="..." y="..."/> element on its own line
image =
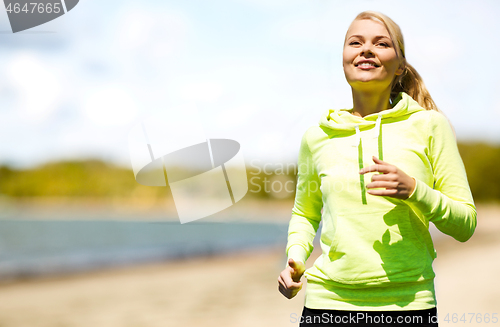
<point x="369" y="56"/>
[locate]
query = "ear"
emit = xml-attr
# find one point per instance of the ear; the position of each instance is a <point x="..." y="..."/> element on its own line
<point x="400" y="70"/>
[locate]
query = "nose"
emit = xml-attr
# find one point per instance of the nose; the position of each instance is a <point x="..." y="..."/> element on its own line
<point x="366" y="49"/>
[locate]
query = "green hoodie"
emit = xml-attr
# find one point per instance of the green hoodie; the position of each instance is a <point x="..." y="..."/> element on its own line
<point x="377" y="251"/>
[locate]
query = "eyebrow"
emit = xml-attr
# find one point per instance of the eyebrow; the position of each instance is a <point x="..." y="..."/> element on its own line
<point x="376" y="37"/>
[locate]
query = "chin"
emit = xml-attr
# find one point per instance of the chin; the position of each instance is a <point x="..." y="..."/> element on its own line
<point x="363" y="84"/>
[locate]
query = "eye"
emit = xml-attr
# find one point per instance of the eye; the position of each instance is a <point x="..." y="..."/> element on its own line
<point x="384" y="44"/>
<point x="354" y="43"/>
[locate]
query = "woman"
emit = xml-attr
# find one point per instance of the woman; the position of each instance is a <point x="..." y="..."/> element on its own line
<point x="376" y="266"/>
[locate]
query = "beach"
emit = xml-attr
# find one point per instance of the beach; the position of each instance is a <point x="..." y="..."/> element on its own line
<point x="236" y="289"/>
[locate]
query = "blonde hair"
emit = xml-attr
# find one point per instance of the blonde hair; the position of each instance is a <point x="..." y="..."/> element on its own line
<point x="410" y="80"/>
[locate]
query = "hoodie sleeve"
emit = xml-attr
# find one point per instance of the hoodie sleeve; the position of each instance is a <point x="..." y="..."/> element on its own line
<point x="449" y="204"/>
<point x="306" y="212"/>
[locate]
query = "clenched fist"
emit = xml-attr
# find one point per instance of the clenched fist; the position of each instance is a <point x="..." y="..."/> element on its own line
<point x="289" y="279"/>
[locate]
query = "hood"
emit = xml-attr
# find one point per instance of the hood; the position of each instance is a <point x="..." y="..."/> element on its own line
<point x="340" y="122"/>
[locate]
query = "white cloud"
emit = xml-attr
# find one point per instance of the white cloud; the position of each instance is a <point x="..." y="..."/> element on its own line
<point x="238" y="115"/>
<point x="154" y="33"/>
<point x="110" y="105"/>
<point x="201" y="91"/>
<point x="36" y="85"/>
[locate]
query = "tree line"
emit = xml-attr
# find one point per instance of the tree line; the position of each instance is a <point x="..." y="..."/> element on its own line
<point x="93" y="178"/>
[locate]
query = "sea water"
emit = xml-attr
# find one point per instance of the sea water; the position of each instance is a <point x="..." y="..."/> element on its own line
<point x="34" y="247"/>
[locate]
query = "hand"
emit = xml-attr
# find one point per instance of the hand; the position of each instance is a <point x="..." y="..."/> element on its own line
<point x="393" y="181"/>
<point x="289" y="279"/>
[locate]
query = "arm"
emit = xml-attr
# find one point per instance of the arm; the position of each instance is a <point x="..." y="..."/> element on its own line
<point x="306" y="212"/>
<point x="449" y="205"/>
<point x="306" y="215"/>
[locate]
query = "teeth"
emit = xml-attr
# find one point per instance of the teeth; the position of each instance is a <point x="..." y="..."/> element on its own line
<point x="367" y="64"/>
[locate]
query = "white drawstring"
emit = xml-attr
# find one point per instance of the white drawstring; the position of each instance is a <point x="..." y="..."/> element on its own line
<point x="358" y="136"/>
<point x="377" y="126"/>
<point x="377" y="130"/>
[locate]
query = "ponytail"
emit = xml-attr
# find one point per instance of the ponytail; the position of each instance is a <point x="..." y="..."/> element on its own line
<point x="412" y="84"/>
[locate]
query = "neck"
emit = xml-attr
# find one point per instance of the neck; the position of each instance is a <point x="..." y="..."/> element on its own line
<point x="369" y="102"/>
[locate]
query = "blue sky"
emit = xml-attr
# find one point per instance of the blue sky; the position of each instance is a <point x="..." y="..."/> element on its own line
<point x="259" y="72"/>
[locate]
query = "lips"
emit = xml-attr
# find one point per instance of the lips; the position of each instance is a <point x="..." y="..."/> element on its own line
<point x="366" y="64"/>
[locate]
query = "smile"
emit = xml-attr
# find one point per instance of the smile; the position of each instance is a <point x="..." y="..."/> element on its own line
<point x="365" y="64"/>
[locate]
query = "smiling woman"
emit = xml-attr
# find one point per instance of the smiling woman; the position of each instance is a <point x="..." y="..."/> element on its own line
<point x="377" y="250"/>
<point x="369" y="57"/>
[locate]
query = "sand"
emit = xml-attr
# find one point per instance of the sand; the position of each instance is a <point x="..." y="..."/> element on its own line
<point x="236" y="290"/>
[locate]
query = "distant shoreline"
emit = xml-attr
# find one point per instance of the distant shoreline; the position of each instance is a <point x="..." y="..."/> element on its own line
<point x="56" y="208"/>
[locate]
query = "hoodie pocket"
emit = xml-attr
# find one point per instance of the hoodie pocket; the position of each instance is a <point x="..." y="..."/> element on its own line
<point x="374" y="248"/>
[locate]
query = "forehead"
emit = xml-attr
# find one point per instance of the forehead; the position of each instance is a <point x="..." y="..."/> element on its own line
<point x="367" y="28"/>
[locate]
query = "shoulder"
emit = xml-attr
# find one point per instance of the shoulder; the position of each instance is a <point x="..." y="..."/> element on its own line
<point x="432" y="119"/>
<point x="439" y="123"/>
<point x="440" y="132"/>
<point x="313" y="133"/>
